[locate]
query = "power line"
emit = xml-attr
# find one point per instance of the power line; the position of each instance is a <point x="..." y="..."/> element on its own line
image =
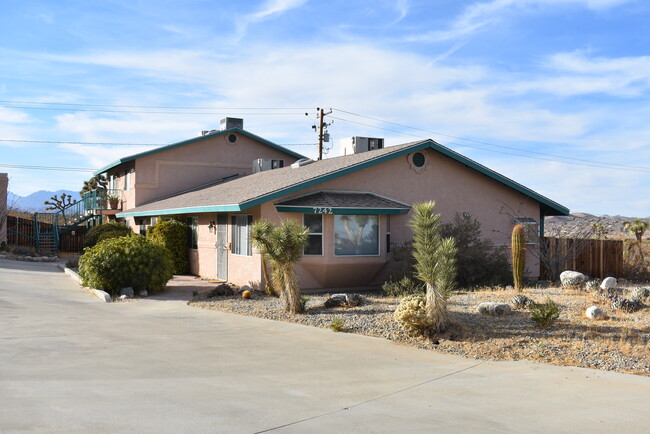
<point x="590" y="163"/>
<point x="71" y="142"/>
<point x="82" y="143"/>
<point x="224" y="111"/>
<point x="153" y="106"/>
<point x="62" y="169"/>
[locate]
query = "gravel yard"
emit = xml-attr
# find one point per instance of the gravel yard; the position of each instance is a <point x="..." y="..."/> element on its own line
<point x="620" y="342"/>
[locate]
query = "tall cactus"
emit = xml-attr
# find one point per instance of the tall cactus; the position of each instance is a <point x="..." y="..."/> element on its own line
<point x="518" y="256"/>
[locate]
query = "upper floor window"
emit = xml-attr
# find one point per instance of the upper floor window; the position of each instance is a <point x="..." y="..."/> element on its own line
<point x="356" y="235"/>
<point x="127" y="180"/>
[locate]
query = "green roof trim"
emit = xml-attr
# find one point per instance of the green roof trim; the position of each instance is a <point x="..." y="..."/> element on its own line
<point x="191" y="210"/>
<point x="197" y="139"/>
<point x="342" y="211"/>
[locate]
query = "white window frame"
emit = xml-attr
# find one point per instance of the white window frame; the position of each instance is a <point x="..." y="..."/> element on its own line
<point x="127" y="180"/>
<point x="387" y="233"/>
<point x="378" y="235"/>
<point x="193" y="235"/>
<point x="310" y="234"/>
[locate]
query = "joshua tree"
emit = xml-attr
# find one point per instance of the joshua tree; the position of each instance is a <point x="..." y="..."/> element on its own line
<point x="637" y="227"/>
<point x="435" y="265"/>
<point x="60" y="204"/>
<point x="283" y="246"/>
<point x="95" y="183"/>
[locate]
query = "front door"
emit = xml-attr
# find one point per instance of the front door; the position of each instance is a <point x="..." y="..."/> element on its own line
<point x="222" y="247"/>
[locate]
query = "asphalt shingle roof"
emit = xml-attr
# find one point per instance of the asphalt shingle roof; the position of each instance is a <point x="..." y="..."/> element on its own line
<point x="245" y="192"/>
<point x="335" y="199"/>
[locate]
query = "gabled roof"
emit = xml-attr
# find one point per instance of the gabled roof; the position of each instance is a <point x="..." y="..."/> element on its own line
<point x="194" y="140"/>
<point x="248" y="191"/>
<point x="342" y="202"/>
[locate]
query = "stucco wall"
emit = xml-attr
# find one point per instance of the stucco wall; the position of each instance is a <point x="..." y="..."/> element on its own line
<point x="208" y="160"/>
<point x="454" y="187"/>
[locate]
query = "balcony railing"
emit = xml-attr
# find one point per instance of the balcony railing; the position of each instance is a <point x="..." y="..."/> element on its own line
<point x="102" y="199"/>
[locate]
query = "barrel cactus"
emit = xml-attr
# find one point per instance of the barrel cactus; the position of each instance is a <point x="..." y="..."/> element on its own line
<point x="518" y="256"/>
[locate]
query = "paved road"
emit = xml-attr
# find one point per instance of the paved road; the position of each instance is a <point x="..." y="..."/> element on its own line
<point x="69" y="363"/>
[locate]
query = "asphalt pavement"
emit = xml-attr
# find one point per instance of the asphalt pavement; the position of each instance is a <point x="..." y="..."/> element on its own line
<point x="72" y="364"/>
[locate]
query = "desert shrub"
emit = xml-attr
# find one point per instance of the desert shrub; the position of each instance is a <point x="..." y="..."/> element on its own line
<point x="478" y="261"/>
<point x="520" y="301"/>
<point x="126" y="261"/>
<point x="4" y="247"/>
<point x="545" y="314"/>
<point x="22" y="251"/>
<point x="641" y="293"/>
<point x="627" y="304"/>
<point x="337" y="324"/>
<point x="173" y="235"/>
<point x="592" y="285"/>
<point x="411" y="314"/>
<point x="404" y="286"/>
<point x="72" y="263"/>
<point x="106" y="231"/>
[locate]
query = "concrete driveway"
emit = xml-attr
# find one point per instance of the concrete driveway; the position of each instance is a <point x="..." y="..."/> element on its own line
<point x="69" y="363"/>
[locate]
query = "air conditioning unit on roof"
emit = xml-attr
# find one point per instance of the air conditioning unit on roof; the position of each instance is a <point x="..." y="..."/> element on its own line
<point x="356" y="144"/>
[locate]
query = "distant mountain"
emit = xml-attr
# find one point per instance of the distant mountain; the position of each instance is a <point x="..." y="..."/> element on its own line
<point x="35" y="201"/>
<point x="579" y="225"/>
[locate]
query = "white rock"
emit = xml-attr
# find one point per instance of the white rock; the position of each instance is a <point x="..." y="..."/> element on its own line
<point x="572" y="278"/>
<point x="143" y="293"/>
<point x="608" y="282"/>
<point x="123" y="297"/>
<point x="594" y="312"/>
<point x="494" y="309"/>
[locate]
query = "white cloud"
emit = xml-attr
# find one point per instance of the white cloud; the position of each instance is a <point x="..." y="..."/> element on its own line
<point x="481" y="15"/>
<point x="270" y="9"/>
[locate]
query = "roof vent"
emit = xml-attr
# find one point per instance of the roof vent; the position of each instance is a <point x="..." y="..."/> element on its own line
<point x="302" y="162"/>
<point x="227" y="123"/>
<point x="354" y="145"/>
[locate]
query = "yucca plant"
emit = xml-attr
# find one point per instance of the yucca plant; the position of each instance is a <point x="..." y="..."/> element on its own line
<point x="283" y="245"/>
<point x="435" y="262"/>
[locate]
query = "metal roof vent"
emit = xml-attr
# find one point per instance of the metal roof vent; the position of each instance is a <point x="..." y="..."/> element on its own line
<point x="302" y="162"/>
<point x="227" y="123"/>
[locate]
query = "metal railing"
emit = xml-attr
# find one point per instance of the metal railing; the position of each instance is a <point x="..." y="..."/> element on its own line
<point x="102" y="199"/>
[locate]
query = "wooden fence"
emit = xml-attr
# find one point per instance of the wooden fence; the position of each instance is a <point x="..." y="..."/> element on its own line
<point x="20" y="233"/>
<point x="595" y="258"/>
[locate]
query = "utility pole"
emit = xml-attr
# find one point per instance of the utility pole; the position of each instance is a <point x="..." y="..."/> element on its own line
<point x="321" y="130"/>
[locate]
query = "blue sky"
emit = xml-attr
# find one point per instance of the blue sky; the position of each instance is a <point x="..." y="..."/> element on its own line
<point x="551" y="93"/>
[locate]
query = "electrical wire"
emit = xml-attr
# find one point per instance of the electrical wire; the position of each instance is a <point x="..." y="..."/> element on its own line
<point x="481" y="142"/>
<point x="62" y="169"/>
<point x="574" y="161"/>
<point x="154" y="106"/>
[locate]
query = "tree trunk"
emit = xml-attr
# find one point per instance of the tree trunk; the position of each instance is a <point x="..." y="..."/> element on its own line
<point x="268" y="284"/>
<point x="436" y="309"/>
<point x="291" y="292"/>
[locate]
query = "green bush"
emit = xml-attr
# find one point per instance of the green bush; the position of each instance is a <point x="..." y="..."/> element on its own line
<point x="478" y="261"/>
<point x="105" y="231"/>
<point x="338" y="324"/>
<point x="404" y="286"/>
<point x="411" y="315"/>
<point x="545" y="314"/>
<point x="132" y="261"/>
<point x="173" y="235"/>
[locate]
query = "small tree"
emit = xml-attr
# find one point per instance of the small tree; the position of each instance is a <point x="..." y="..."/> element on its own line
<point x="283" y="246"/>
<point x="637" y="227"/>
<point x="97" y="182"/>
<point x="435" y="262"/>
<point x="60" y="204"/>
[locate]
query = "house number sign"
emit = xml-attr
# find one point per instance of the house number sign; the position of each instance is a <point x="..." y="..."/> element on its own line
<point x="319" y="210"/>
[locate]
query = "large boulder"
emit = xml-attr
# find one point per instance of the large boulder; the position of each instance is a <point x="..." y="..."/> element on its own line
<point x="343" y="300"/>
<point x="572" y="278"/>
<point x="494" y="309"/>
<point x="594" y="312"/>
<point x="608" y="282"/>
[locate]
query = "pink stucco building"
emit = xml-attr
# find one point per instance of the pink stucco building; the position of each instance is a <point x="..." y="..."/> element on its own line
<point x="356" y="206"/>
